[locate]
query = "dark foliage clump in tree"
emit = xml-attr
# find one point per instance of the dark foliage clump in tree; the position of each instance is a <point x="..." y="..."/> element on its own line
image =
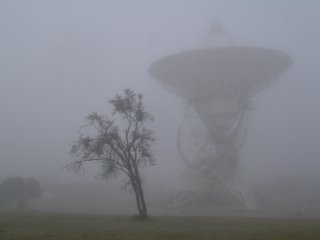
<point x="122" y="146"/>
<point x="19" y="191"/>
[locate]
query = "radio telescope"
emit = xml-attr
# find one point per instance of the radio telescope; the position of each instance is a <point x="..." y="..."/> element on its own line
<point x="218" y="84"/>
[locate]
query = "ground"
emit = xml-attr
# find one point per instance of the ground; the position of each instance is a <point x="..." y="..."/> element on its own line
<point x="36" y="225"/>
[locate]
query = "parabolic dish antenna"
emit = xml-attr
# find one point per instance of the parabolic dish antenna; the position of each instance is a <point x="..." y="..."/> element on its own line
<point x="220" y="71"/>
<point x="218" y="84"/>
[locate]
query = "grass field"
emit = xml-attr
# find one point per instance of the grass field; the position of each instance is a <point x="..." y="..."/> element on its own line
<point x="18" y="226"/>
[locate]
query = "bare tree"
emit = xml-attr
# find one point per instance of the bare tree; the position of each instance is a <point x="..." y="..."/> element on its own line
<point x="118" y="149"/>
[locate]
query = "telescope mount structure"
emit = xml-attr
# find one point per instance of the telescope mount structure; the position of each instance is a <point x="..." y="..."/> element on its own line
<point x="218" y="84"/>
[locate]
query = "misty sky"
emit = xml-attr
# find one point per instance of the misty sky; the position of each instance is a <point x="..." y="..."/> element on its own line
<point x="61" y="60"/>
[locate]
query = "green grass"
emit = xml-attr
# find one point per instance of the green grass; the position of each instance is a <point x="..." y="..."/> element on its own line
<point x="18" y="226"/>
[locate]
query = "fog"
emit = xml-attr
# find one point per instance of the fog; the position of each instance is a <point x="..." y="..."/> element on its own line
<point x="61" y="60"/>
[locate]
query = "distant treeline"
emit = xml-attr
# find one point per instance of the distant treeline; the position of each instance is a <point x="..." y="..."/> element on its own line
<point x="17" y="192"/>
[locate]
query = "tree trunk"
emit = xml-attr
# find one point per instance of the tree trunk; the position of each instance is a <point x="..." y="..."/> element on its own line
<point x="141" y="204"/>
<point x="138" y="202"/>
